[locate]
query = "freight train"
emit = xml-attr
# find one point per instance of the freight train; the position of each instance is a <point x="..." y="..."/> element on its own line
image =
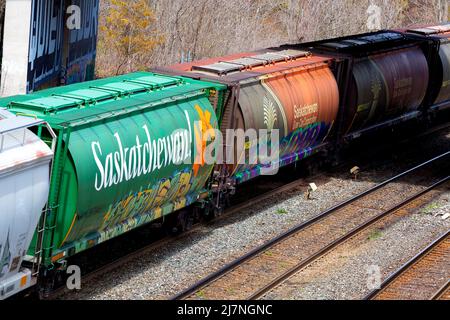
<point x="85" y="163"/>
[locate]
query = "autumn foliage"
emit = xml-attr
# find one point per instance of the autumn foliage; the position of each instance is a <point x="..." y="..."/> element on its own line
<point x="128" y="35"/>
<point x="141" y="34"/>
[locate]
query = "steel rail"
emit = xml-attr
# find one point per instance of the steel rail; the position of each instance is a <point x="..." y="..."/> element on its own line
<point x="342" y="240"/>
<point x="440" y="293"/>
<point x="231" y="266"/>
<point x="169" y="240"/>
<point x="405" y="267"/>
<point x="230" y="211"/>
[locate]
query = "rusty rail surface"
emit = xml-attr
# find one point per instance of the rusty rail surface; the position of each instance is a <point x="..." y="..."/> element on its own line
<point x="443" y="293"/>
<point x="425" y="277"/>
<point x="264" y="268"/>
<point x="109" y="267"/>
<point x="123" y="260"/>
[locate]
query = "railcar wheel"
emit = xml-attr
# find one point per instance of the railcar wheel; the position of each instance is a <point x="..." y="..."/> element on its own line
<point x="218" y="208"/>
<point x="179" y="222"/>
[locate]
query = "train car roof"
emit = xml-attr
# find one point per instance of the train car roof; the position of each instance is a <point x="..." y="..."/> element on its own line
<point x="10" y="122"/>
<point x="360" y="44"/>
<point x="86" y="102"/>
<point x="438" y="31"/>
<point x="248" y="65"/>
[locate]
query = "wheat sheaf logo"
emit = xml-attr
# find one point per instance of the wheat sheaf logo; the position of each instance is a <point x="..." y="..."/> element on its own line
<point x="270" y="113"/>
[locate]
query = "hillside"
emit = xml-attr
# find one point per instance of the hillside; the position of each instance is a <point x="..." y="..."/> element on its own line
<point x="194" y="29"/>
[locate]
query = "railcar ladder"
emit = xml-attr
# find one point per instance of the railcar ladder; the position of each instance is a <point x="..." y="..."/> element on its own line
<point x="39" y="243"/>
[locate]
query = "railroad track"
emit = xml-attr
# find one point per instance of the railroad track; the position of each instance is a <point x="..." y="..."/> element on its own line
<point x="268" y="266"/>
<point x="122" y="260"/>
<point x="425" y="277"/>
<point x="109" y="267"/>
<point x="443" y="293"/>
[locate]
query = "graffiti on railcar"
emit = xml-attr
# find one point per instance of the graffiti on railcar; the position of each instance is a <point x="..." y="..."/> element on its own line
<point x="171" y="192"/>
<point x="5" y="258"/>
<point x="302" y="138"/>
<point x="294" y="147"/>
<point x="143" y="207"/>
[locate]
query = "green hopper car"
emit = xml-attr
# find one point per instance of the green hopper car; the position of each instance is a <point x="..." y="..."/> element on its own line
<point x="127" y="154"/>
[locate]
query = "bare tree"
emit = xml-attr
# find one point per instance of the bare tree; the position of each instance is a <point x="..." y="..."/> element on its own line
<point x="208" y="28"/>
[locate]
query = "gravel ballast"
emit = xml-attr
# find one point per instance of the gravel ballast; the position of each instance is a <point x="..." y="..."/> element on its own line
<point x="351" y="272"/>
<point x="166" y="271"/>
<point x="211" y="247"/>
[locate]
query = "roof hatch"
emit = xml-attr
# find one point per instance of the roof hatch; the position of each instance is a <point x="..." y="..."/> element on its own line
<point x="362" y="40"/>
<point x="79" y="98"/>
<point x="245" y="63"/>
<point x="431" y="30"/>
